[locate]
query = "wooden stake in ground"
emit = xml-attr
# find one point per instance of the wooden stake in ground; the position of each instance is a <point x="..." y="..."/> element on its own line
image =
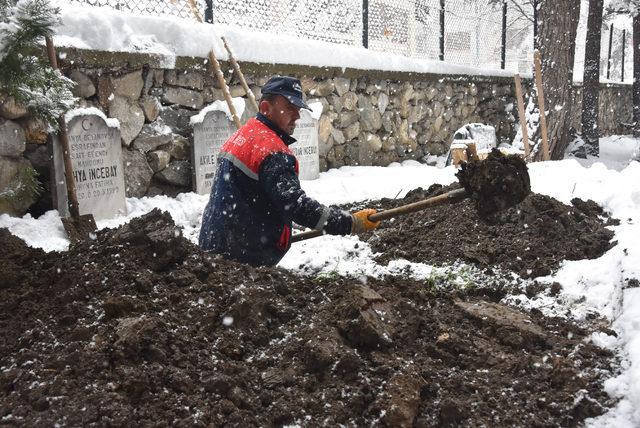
<point x="225" y="89"/>
<point x="77" y="227"/>
<point x="543" y="118"/>
<point x="523" y="120"/>
<point x="236" y="68"/>
<point x="218" y="73"/>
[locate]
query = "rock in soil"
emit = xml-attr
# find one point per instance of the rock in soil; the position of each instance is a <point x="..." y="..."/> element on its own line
<point x="139" y="327"/>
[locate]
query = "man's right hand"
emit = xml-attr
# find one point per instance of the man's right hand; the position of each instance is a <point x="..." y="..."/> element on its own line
<point x="361" y="223"/>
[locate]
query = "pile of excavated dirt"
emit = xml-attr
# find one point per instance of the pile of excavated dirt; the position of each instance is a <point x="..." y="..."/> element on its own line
<point x="140" y="327"/>
<point x="531" y="238"/>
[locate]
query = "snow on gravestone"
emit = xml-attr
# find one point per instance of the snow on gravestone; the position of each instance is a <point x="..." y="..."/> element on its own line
<point x="96" y="159"/>
<point x="208" y="136"/>
<point x="306" y="148"/>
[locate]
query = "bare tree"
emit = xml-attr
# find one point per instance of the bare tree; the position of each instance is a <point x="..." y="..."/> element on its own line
<point x="525" y="9"/>
<point x="591" y="82"/>
<point x="558" y="24"/>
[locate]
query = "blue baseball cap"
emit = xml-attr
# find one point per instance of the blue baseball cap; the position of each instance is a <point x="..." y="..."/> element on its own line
<point x="288" y="87"/>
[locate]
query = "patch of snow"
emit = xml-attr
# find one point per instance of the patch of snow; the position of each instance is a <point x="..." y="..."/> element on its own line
<point x="91" y="111"/>
<point x="220" y="105"/>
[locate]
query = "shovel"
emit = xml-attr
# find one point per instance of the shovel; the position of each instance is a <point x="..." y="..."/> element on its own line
<point x="78" y="227"/>
<point x="494" y="184"/>
<point x="450" y="197"/>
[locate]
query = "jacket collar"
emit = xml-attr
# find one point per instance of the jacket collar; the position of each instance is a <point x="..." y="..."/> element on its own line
<point x="286" y="138"/>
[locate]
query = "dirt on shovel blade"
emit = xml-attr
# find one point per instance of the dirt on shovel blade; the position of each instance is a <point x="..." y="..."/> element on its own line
<point x="495" y="183"/>
<point x="79" y="228"/>
<point x="139" y="327"/>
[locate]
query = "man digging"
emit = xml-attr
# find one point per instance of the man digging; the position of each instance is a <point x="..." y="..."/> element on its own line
<point x="256" y="194"/>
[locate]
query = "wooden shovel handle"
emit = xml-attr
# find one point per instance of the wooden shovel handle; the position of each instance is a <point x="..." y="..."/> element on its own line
<point x="521" y="114"/>
<point x="446" y="198"/>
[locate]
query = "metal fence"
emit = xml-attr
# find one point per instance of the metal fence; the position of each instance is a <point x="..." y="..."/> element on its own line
<point x="179" y="8"/>
<point x="478" y="33"/>
<point x="616" y="54"/>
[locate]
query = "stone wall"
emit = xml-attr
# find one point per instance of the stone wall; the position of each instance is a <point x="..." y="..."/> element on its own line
<point x="369" y="118"/>
<point x="369" y="121"/>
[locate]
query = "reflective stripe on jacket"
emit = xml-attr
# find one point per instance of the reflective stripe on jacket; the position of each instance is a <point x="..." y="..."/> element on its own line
<point x="256" y="196"/>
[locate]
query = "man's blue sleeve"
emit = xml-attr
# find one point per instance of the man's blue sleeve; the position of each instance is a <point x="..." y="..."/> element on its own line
<point x="279" y="181"/>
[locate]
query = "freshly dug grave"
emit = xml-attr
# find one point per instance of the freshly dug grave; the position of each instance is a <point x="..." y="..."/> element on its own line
<point x="140" y="327"/>
<point x="531" y="238"/>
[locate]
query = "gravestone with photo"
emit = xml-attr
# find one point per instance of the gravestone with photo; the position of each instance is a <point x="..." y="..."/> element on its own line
<point x="306" y="148"/>
<point x="96" y="158"/>
<point x="208" y="136"/>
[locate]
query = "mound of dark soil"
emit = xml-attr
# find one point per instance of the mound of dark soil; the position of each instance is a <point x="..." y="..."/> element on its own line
<point x="495" y="183"/>
<point x="531" y="238"/>
<point x="140" y="327"/>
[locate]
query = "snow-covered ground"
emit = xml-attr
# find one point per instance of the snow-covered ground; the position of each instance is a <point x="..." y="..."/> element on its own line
<point x="589" y="286"/>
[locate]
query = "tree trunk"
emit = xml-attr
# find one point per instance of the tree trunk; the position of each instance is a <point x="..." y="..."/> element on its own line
<point x="558" y="21"/>
<point x="591" y="81"/>
<point x="636" y="76"/>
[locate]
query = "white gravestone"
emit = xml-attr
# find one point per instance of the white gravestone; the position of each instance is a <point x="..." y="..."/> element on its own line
<point x="208" y="136"/>
<point x="306" y="148"/>
<point x="96" y="159"/>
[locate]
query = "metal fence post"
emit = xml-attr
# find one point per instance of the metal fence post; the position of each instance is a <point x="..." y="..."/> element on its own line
<point x="365" y="23"/>
<point x="208" y="11"/>
<point x="624" y="40"/>
<point x="609" y="53"/>
<point x="503" y="53"/>
<point x="535" y="24"/>
<point x="442" y="5"/>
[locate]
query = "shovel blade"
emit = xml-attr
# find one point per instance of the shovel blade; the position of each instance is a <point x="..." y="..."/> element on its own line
<point x="79" y="229"/>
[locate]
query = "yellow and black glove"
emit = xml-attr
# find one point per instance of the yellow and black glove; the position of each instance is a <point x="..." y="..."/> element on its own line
<point x="361" y="223"/>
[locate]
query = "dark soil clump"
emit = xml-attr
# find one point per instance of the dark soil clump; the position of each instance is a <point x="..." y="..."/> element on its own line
<point x="531" y="238"/>
<point x="139" y="327"/>
<point x="495" y="183"/>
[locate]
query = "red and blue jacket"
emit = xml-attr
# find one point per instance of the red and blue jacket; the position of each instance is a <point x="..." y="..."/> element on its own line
<point x="256" y="196"/>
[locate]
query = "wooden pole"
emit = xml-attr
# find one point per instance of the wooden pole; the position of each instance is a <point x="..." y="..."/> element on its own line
<point x="217" y="72"/>
<point x="225" y="89"/>
<point x="72" y="197"/>
<point x="543" y="119"/>
<point x="523" y="119"/>
<point x="243" y="82"/>
<point x="194" y="10"/>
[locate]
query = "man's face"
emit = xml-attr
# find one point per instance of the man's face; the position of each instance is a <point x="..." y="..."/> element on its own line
<point x="281" y="112"/>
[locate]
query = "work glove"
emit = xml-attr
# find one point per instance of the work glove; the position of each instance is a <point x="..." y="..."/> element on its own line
<point x="361" y="223"/>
